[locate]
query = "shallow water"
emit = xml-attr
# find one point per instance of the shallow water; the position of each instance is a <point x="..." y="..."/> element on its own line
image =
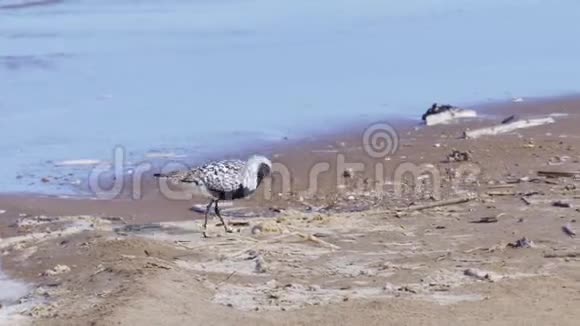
<point x="10" y="290"/>
<point x="198" y="77"/>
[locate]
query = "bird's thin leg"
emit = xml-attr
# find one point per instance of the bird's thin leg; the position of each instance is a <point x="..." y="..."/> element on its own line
<point x="217" y="212"/>
<point x="205" y="222"/>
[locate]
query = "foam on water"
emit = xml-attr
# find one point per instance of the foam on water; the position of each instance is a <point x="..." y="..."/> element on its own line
<point x="10" y="292"/>
<point x="198" y="77"/>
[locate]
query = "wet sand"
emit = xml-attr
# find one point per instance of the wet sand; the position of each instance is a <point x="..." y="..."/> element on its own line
<point x="344" y="254"/>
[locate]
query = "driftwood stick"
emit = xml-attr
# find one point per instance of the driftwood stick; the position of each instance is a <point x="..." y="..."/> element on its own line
<point x="310" y="237"/>
<point x="558" y="174"/>
<point x="500" y="193"/>
<point x="506" y="186"/>
<point x="526" y="200"/>
<point x="441" y="203"/>
<point x="563" y="255"/>
<point x="508" y="127"/>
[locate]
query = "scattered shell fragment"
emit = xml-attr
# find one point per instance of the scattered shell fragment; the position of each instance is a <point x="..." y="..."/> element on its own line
<point x="57" y="270"/>
<point x="267" y="227"/>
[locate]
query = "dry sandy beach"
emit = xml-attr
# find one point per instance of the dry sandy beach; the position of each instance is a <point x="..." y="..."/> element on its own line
<point x="487" y="241"/>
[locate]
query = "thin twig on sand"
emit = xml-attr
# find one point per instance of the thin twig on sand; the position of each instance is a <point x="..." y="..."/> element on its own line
<point x="558" y="174"/>
<point x="526" y="200"/>
<point x="441" y="203"/>
<point x="314" y="239"/>
<point x="563" y="255"/>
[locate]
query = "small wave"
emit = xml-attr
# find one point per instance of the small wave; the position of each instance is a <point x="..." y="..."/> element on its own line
<point x="77" y="162"/>
<point x="164" y="155"/>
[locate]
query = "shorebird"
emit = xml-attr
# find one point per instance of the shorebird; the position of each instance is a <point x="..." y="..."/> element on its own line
<point x="222" y="180"/>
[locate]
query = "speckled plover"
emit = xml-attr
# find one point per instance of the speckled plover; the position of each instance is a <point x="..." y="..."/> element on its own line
<point x="222" y="180"/>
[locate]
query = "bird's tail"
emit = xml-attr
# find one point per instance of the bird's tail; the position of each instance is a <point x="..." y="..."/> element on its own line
<point x="160" y="175"/>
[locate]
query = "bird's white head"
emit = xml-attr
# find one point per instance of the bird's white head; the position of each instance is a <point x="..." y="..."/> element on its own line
<point x="257" y="168"/>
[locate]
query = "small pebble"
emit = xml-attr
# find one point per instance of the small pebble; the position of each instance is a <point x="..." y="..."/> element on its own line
<point x="260" y="265"/>
<point x="348" y="173"/>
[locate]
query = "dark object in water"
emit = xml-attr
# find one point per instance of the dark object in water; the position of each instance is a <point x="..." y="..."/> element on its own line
<point x="435" y="108"/>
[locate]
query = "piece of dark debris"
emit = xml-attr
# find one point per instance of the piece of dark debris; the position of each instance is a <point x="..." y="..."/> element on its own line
<point x="458" y="156"/>
<point x="485" y="220"/>
<point x="348" y="173"/>
<point x="569" y="231"/>
<point x="570" y="187"/>
<point x="522" y="243"/>
<point x="561" y="204"/>
<point x="407" y="289"/>
<point x="276" y="209"/>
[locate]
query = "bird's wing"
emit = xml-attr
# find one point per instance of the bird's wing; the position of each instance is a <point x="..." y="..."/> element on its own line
<point x="222" y="176"/>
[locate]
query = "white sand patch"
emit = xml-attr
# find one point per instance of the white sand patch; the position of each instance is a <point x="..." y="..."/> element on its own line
<point x="275" y="296"/>
<point x="75" y="224"/>
<point x="451" y="299"/>
<point x="245" y="267"/>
